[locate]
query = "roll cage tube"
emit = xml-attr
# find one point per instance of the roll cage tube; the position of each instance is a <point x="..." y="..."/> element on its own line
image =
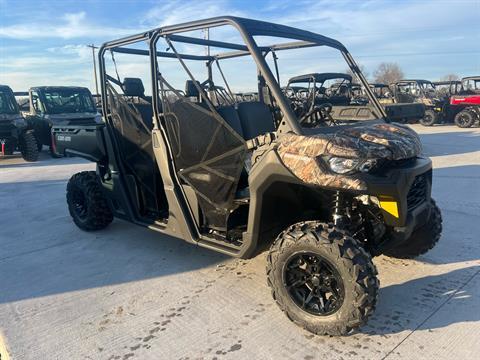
<point x="247" y="29"/>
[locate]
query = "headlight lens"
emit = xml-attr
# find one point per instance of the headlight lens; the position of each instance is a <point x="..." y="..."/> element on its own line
<point x="343" y="165"/>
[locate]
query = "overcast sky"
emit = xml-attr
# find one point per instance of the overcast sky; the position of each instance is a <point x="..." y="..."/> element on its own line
<point x="43" y="42"/>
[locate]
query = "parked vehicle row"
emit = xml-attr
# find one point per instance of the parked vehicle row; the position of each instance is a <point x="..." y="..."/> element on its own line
<point x="34" y="113"/>
<point x="444" y="101"/>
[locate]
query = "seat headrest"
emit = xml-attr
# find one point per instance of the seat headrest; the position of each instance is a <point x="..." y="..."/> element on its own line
<point x="191" y="90"/>
<point x="133" y="87"/>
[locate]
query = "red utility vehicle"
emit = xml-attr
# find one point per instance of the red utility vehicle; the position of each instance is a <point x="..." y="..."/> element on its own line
<point x="468" y="102"/>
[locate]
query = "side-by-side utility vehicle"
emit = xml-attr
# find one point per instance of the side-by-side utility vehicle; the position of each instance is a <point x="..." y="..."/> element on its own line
<point x="424" y="92"/>
<point x="58" y="105"/>
<point x="14" y="130"/>
<point x="239" y="177"/>
<point x="466" y="104"/>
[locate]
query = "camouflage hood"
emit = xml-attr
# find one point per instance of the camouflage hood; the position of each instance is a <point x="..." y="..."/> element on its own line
<point x="375" y="141"/>
<point x="302" y="154"/>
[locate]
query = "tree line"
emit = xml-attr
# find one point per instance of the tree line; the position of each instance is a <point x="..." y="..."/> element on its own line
<point x="388" y="73"/>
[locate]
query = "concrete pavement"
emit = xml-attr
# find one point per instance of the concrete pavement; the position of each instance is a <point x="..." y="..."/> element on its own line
<point x="130" y="293"/>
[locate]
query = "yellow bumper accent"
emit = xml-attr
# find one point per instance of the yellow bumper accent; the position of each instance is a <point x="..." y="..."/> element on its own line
<point x="389" y="205"/>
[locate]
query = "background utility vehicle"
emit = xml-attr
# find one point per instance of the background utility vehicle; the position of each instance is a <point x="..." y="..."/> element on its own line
<point x="466" y="105"/>
<point x="447" y="88"/>
<point x="422" y="91"/>
<point x="239" y="177"/>
<point x="344" y="98"/>
<point x="382" y="92"/>
<point x="59" y="105"/>
<point x="14" y="132"/>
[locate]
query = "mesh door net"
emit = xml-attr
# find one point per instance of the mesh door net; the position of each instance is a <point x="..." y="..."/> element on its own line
<point x="208" y="154"/>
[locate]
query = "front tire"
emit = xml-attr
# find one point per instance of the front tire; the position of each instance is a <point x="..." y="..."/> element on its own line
<point x="423" y="239"/>
<point x="429" y="119"/>
<point x="28" y="146"/>
<point x="464" y="119"/>
<point x="87" y="203"/>
<point x="339" y="290"/>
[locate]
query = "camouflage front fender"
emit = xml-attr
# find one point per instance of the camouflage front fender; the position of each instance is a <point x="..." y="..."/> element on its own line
<point x="303" y="155"/>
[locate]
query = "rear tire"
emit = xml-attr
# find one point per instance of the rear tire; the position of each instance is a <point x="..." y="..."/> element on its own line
<point x="429" y="119"/>
<point x="28" y="146"/>
<point x="423" y="239"/>
<point x="465" y="119"/>
<point x="87" y="203"/>
<point x="341" y="265"/>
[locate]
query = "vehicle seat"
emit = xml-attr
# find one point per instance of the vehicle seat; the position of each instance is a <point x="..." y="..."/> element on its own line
<point x="230" y="115"/>
<point x="133" y="87"/>
<point x="255" y="119"/>
<point x="191" y="90"/>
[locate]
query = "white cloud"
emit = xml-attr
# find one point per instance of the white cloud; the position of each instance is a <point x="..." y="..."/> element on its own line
<point x="68" y="26"/>
<point x="177" y="12"/>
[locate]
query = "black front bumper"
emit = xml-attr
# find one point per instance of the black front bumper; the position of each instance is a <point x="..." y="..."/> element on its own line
<point x="408" y="185"/>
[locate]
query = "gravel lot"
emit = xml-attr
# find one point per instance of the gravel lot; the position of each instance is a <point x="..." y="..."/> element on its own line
<point x="130" y="293"/>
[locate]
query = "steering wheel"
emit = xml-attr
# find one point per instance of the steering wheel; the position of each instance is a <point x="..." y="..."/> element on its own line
<point x="319" y="115"/>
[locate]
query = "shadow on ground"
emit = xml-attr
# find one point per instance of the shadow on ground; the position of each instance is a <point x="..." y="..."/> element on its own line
<point x="43" y="253"/>
<point x="401" y="306"/>
<point x="76" y="260"/>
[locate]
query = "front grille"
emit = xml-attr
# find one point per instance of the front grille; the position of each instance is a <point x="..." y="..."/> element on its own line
<point x="82" y="121"/>
<point x="418" y="192"/>
<point x="383" y="165"/>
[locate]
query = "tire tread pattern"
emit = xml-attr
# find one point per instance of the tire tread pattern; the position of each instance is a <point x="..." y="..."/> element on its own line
<point x="349" y="253"/>
<point x="422" y="240"/>
<point x="99" y="214"/>
<point x="28" y="146"/>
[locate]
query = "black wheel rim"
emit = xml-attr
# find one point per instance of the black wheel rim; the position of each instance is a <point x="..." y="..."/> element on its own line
<point x="428" y="119"/>
<point x="79" y="204"/>
<point x="313" y="283"/>
<point x="463" y="119"/>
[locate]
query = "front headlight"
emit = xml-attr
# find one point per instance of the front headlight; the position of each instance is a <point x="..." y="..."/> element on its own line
<point x="345" y="166"/>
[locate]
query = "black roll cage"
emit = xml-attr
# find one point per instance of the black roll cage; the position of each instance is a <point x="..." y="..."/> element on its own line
<point x="176" y="194"/>
<point x="247" y="29"/>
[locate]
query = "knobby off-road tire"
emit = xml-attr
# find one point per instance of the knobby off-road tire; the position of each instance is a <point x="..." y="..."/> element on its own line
<point x="343" y="255"/>
<point x="465" y="119"/>
<point x="87" y="203"/>
<point x="422" y="239"/>
<point x="429" y="119"/>
<point x="28" y="146"/>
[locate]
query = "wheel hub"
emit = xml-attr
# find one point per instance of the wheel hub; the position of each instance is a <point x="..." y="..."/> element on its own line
<point x="313" y="283"/>
<point x="79" y="204"/>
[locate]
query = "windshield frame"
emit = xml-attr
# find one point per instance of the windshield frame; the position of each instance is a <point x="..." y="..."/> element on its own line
<point x="84" y="93"/>
<point x="11" y="102"/>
